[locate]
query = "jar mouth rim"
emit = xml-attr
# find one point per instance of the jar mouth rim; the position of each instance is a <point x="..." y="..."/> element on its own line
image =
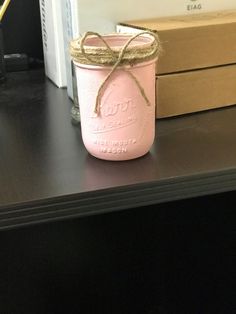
<point x="117" y="40"/>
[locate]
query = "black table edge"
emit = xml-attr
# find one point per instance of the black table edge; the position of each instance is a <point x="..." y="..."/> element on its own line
<point x="114" y="199"/>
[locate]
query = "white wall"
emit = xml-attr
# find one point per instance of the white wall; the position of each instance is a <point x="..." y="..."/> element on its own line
<point x="103" y="15"/>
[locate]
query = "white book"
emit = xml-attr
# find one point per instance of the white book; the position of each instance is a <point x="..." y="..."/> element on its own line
<point x="70" y="21"/>
<point x="53" y="44"/>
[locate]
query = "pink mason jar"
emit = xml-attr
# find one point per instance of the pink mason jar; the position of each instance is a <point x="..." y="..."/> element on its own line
<point x="116" y="90"/>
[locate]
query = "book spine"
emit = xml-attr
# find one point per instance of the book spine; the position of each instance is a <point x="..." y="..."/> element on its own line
<point x="75" y="18"/>
<point x="70" y="31"/>
<point x="75" y="111"/>
<point x="54" y="59"/>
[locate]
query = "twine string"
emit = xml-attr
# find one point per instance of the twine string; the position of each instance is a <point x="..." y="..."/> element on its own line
<point x="116" y="59"/>
<point x="82" y="43"/>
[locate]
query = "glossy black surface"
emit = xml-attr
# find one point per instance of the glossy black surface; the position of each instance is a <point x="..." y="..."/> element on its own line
<point x="46" y="173"/>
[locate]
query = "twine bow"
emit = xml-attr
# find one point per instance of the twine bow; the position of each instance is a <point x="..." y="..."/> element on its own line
<point x="107" y="56"/>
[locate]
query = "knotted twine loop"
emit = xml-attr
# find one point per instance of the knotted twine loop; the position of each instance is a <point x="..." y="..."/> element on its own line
<point x="106" y="56"/>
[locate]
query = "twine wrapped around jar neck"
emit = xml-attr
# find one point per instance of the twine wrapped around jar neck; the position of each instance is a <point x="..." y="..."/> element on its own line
<point x="116" y="56"/>
<point x="103" y="56"/>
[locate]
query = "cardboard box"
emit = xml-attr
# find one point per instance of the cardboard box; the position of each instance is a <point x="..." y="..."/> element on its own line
<point x="193" y="91"/>
<point x="191" y="41"/>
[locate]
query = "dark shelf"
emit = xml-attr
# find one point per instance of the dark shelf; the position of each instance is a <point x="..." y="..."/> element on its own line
<point x="47" y="174"/>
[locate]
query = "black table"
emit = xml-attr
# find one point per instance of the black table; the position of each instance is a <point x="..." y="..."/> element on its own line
<point x="163" y="245"/>
<point x="46" y="173"/>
